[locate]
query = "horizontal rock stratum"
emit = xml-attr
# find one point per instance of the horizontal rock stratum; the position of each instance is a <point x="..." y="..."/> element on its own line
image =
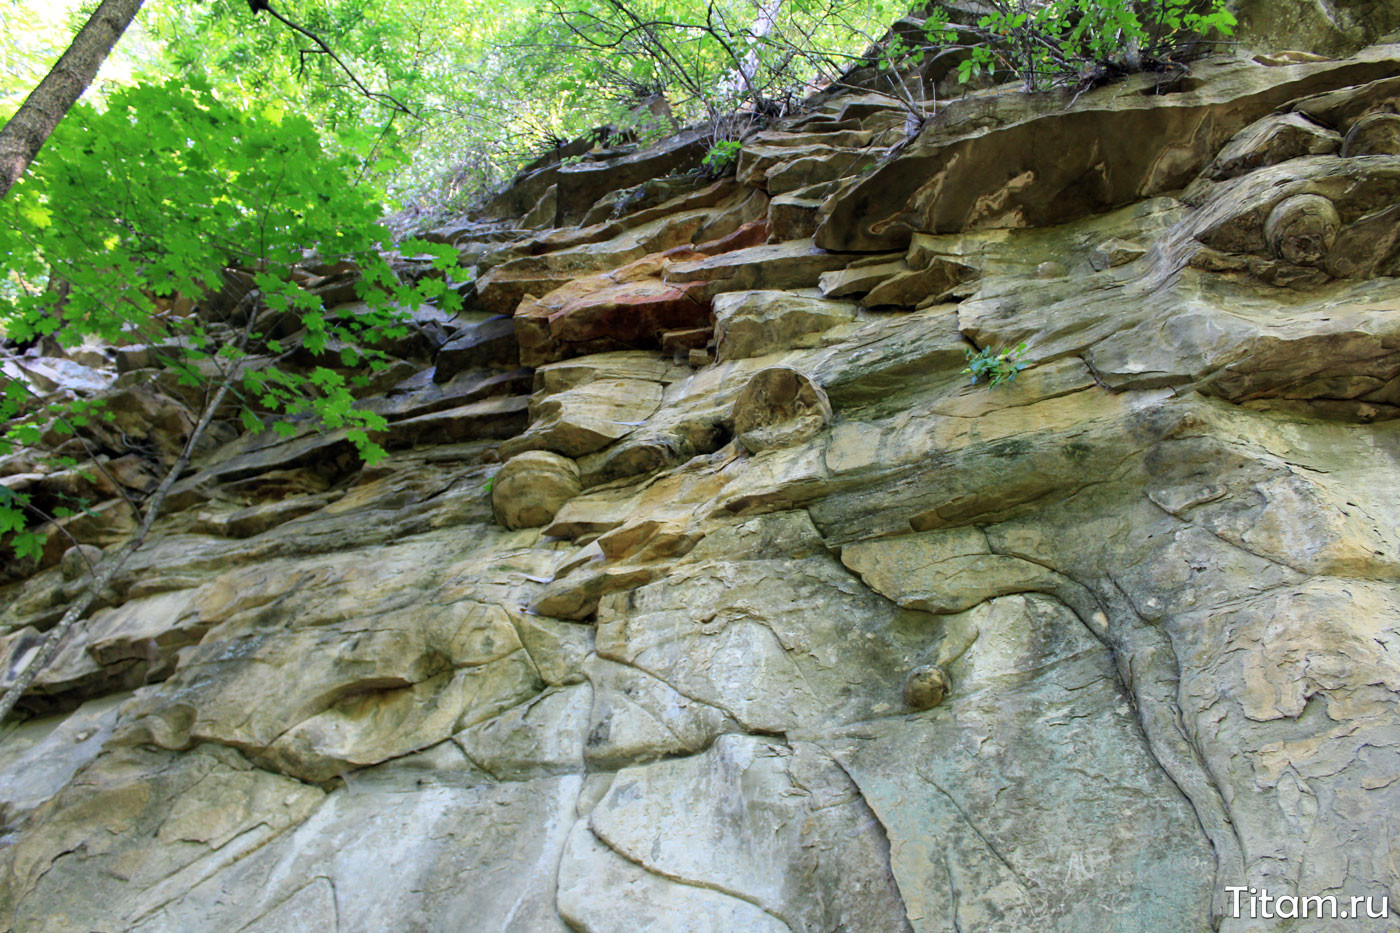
<point x="702" y="592"/>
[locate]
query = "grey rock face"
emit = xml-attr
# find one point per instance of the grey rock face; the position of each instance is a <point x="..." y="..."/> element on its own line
<point x="818" y="636"/>
<point x="1334" y="28"/>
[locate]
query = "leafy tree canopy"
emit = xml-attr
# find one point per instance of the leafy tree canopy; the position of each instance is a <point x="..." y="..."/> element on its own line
<point x="170" y="193"/>
<point x="492" y="83"/>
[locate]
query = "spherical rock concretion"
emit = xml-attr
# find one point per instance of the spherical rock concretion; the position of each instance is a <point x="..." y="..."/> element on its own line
<point x="1373" y="134"/>
<point x="1302" y="229"/>
<point x="79" y="560"/>
<point x="532" y="486"/>
<point x="779" y="407"/>
<point x="926" y="687"/>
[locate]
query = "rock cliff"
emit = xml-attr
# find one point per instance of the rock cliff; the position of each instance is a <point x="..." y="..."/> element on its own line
<point x="701" y="591"/>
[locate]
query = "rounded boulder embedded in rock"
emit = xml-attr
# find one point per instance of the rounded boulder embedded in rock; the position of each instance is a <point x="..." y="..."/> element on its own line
<point x="779" y="407"/>
<point x="926" y="687"/>
<point x="1302" y="229"/>
<point x="79" y="560"/>
<point x="1373" y="134"/>
<point x="532" y="486"/>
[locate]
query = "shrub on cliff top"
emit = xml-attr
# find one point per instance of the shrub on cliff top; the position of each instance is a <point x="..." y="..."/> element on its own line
<point x="1078" y="42"/>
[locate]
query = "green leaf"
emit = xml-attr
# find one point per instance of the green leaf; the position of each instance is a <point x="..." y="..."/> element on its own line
<point x="28" y="544"/>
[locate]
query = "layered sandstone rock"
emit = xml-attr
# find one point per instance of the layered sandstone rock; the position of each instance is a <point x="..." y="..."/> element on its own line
<point x="810" y="633"/>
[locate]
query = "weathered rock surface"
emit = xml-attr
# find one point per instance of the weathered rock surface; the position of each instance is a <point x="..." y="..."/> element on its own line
<point x="760" y="322"/>
<point x="810" y="634"/>
<point x="1338" y="27"/>
<point x="987" y="165"/>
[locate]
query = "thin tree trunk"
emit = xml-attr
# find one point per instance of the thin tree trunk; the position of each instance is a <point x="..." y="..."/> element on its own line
<point x="764" y="23"/>
<point x="114" y="563"/>
<point x="29" y="128"/>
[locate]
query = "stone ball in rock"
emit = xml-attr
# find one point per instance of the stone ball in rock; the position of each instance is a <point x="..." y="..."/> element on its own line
<point x="779" y="407"/>
<point x="1373" y="134"/>
<point x="532" y="486"/>
<point x="1302" y="229"/>
<point x="79" y="560"/>
<point x="926" y="687"/>
<point x="1051" y="269"/>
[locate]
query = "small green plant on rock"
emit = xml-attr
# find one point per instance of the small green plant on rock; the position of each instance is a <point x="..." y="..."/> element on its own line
<point x="722" y="157"/>
<point x="997" y="367"/>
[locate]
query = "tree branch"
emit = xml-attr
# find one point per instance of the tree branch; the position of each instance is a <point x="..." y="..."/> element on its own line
<point x="388" y="100"/>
